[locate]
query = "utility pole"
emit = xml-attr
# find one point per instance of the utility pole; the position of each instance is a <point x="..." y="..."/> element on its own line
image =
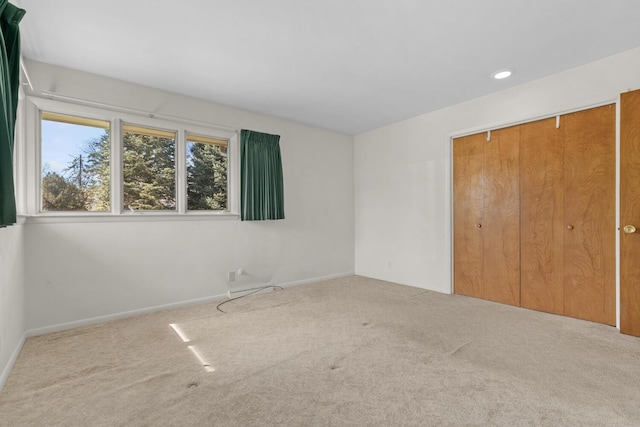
<point x="80" y="171"/>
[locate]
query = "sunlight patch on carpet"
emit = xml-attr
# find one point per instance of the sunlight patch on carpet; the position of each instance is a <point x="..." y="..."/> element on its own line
<point x="206" y="365"/>
<point x="178" y="330"/>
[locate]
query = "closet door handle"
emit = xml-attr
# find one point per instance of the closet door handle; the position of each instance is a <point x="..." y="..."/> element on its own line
<point x="478" y="225"/>
<point x="569" y="227"/>
<point x="629" y="229"/>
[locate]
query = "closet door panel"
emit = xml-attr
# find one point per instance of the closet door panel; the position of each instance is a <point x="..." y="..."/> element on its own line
<point x="467" y="207"/>
<point x="501" y="227"/>
<point x="589" y="206"/>
<point x="630" y="213"/>
<point x="541" y="217"/>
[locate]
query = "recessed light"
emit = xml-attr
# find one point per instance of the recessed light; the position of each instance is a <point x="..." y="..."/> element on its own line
<point x="502" y="74"/>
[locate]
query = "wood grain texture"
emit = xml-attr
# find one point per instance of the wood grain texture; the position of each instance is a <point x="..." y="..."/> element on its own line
<point x="467" y="208"/>
<point x="541" y="217"/>
<point x="630" y="212"/>
<point x="589" y="207"/>
<point x="501" y="228"/>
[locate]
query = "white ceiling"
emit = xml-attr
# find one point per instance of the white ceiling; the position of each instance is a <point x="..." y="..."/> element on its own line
<point x="345" y="65"/>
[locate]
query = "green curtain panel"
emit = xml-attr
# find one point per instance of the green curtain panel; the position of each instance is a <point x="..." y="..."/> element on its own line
<point x="261" y="183"/>
<point x="10" y="17"/>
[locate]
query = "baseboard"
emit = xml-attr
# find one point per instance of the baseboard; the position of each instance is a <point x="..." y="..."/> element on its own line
<point x="442" y="290"/>
<point x="254" y="289"/>
<point x="116" y="316"/>
<point x="12" y="360"/>
<point x="314" y="280"/>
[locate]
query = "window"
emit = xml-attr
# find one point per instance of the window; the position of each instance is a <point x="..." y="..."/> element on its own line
<point x="148" y="168"/>
<point x="75" y="163"/>
<point x="206" y="173"/>
<point x="96" y="161"/>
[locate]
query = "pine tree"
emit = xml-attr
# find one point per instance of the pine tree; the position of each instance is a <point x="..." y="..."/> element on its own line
<point x="206" y="177"/>
<point x="97" y="174"/>
<point x="149" y="175"/>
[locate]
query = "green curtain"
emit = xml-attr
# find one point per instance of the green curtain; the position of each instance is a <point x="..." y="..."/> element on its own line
<point x="261" y="183"/>
<point x="10" y="17"/>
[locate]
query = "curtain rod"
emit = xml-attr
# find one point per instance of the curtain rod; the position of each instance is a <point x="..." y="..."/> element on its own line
<point x="53" y="95"/>
<point x="26" y="74"/>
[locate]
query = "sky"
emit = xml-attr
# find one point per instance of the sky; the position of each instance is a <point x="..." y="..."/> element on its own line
<point x="61" y="142"/>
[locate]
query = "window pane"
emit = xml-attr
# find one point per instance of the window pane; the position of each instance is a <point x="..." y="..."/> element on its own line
<point x="75" y="163"/>
<point x="148" y="168"/>
<point x="206" y="173"/>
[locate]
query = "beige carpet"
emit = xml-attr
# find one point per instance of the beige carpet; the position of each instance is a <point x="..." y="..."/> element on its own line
<point x="347" y="352"/>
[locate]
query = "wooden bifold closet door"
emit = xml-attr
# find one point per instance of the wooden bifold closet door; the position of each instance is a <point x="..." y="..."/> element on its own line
<point x="547" y="216"/>
<point x="542" y="216"/>
<point x="589" y="211"/>
<point x="468" y="165"/>
<point x="486" y="222"/>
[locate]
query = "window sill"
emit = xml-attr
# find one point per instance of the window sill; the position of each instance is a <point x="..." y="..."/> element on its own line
<point x="57" y="218"/>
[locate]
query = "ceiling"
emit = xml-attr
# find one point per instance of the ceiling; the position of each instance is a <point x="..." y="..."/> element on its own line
<point x="344" y="65"/>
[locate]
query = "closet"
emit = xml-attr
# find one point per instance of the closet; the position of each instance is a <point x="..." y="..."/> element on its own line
<point x="534" y="215"/>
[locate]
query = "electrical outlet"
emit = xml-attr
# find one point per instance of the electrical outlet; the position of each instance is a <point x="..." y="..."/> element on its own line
<point x="231" y="276"/>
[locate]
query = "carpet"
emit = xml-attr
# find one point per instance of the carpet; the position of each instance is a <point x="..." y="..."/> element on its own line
<point x="346" y="352"/>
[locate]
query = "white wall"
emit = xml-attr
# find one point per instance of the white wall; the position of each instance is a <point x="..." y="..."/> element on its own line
<point x="79" y="271"/>
<point x="403" y="171"/>
<point x="11" y="297"/>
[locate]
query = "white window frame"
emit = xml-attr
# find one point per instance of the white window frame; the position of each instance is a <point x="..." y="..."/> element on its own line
<point x="31" y="163"/>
